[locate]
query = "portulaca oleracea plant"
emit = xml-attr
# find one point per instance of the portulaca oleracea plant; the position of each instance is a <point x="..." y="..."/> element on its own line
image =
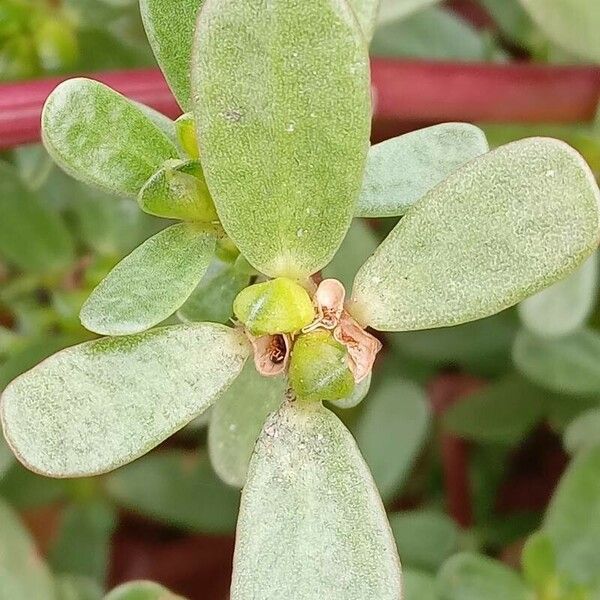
<point x="266" y="170"/>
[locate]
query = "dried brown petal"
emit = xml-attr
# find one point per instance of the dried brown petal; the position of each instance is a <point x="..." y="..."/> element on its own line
<point x="271" y="353"/>
<point x="329" y="301"/>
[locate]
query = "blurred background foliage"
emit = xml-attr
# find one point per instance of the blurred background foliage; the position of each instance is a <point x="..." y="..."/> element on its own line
<point x="484" y="439"/>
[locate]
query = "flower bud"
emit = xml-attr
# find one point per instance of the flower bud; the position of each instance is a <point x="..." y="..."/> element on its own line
<point x="185" y="129"/>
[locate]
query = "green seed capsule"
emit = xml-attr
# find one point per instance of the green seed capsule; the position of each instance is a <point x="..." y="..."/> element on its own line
<point x="276" y="306"/>
<point x="319" y="368"/>
<point x="185" y="128"/>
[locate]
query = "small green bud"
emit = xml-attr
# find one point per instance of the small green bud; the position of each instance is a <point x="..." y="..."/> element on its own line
<point x="276" y="306"/>
<point x="178" y="192"/>
<point x="185" y="127"/>
<point x="319" y="368"/>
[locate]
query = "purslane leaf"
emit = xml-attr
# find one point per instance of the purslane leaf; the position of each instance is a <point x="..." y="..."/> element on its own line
<point x="582" y="433"/>
<point x="563" y="307"/>
<point x="479" y="241"/>
<point x="151" y="283"/>
<point x="284" y="173"/>
<point x="33" y="237"/>
<point x="392" y="10"/>
<point x="401" y="170"/>
<point x="170" y="31"/>
<point x="141" y="590"/>
<point x="366" y="14"/>
<point x="573" y="24"/>
<point x="102" y="138"/>
<point x="237" y="420"/>
<point x="94" y="407"/>
<point x="418" y="586"/>
<point x="322" y="531"/>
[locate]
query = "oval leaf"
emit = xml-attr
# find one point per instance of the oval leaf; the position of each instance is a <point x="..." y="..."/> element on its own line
<point x="569" y="364"/>
<point x="97" y="406"/>
<point x="284" y="173"/>
<point x="141" y="590"/>
<point x="322" y="531"/>
<point x="366" y="15"/>
<point x="102" y="138"/>
<point x="418" y="586"/>
<point x="401" y="170"/>
<point x="582" y="433"/>
<point x="564" y="306"/>
<point x="480" y="241"/>
<point x="573" y="24"/>
<point x="151" y="283"/>
<point x="170" y="31"/>
<point x="237" y="420"/>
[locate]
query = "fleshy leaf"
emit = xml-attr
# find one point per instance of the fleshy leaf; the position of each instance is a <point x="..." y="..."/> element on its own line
<point x="395" y="422"/>
<point x="392" y="10"/>
<point x="401" y="170"/>
<point x="94" y="407"/>
<point x="141" y="590"/>
<point x="564" y="306"/>
<point x="23" y="574"/>
<point x="366" y="15"/>
<point x="538" y="560"/>
<point x="73" y="587"/>
<point x="418" y="586"/>
<point x="237" y="420"/>
<point x="177" y="488"/>
<point x="33" y="237"/>
<point x="151" y="283"/>
<point x="6" y="456"/>
<point x="469" y="576"/>
<point x="583" y="432"/>
<point x="101" y="138"/>
<point x="322" y="531"/>
<point x="573" y="24"/>
<point x="569" y="364"/>
<point x="479" y="241"/>
<point x="170" y="31"/>
<point x="284" y="173"/>
<point x="359" y="393"/>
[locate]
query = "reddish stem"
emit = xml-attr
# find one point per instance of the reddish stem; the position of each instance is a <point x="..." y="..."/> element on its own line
<point x="407" y="95"/>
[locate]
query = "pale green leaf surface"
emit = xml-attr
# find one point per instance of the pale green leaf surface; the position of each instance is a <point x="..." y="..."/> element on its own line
<point x="359" y="393"/>
<point x="33" y="237"/>
<point x="23" y="574"/>
<point x="25" y="490"/>
<point x="322" y="531"/>
<point x="366" y="15"/>
<point x="573" y="24"/>
<point x="102" y="404"/>
<point x="564" y="306"/>
<point x="392" y="10"/>
<point x="394" y="423"/>
<point x="418" y="586"/>
<point x="572" y="520"/>
<point x="141" y="590"/>
<point x="237" y="420"/>
<point x="497" y="230"/>
<point x="102" y="138"/>
<point x="401" y="170"/>
<point x="6" y="456"/>
<point x="538" y="560"/>
<point x="151" y="283"/>
<point x="284" y="173"/>
<point x="570" y="364"/>
<point x="72" y="587"/>
<point x="425" y="538"/>
<point x="166" y="125"/>
<point x="176" y="488"/>
<point x="512" y="19"/>
<point x="583" y="432"/>
<point x="170" y="29"/>
<point x="474" y="577"/>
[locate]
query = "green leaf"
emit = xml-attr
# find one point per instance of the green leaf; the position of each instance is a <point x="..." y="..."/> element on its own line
<point x="573" y="24"/>
<point x="71" y="587"/>
<point x="178" y="192"/>
<point x="359" y="393"/>
<point x="563" y="307"/>
<point x="212" y="300"/>
<point x="478" y="242"/>
<point x="502" y="413"/>
<point x="82" y="545"/>
<point x="284" y="173"/>
<point x="512" y="20"/>
<point x="6" y="456"/>
<point x="425" y="538"/>
<point x="25" y="490"/>
<point x="151" y="283"/>
<point x="98" y="136"/>
<point x="433" y="34"/>
<point x="237" y="420"/>
<point x="473" y="577"/>
<point x="176" y="488"/>
<point x="401" y="170"/>
<point x="583" y="432"/>
<point x="572" y="520"/>
<point x="366" y="14"/>
<point x="33" y="237"/>
<point x="170" y="31"/>
<point x="569" y="364"/>
<point x="141" y="590"/>
<point x="102" y="404"/>
<point x="418" y="586"/>
<point x="538" y="560"/>
<point x="322" y="531"/>
<point x="394" y="423"/>
<point x="23" y="574"/>
<point x="392" y="10"/>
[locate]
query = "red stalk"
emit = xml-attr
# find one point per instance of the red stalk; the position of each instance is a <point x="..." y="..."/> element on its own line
<point x="407" y="95"/>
